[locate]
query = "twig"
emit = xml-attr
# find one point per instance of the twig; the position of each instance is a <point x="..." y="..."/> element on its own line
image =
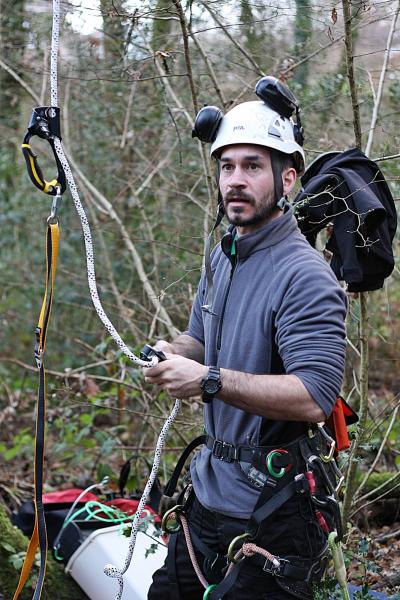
<point x="387" y="536"/>
<point x="135" y="331"/>
<point x="391" y="157"/>
<point x="209" y="67"/>
<point x="381" y="81"/>
<point x="232" y="39"/>
<point x="26" y="87"/>
<point x="68" y="374"/>
<point x="107" y="206"/>
<point x="128" y="114"/>
<point x="373" y="492"/>
<point x="178" y="103"/>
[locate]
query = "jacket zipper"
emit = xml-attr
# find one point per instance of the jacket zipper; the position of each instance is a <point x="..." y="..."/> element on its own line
<point x="219" y="336"/>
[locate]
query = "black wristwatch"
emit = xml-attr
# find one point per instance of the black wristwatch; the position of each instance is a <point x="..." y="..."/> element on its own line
<point x="211" y="384"/>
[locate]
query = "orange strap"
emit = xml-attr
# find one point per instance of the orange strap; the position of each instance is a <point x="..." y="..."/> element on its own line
<point x="341" y="416"/>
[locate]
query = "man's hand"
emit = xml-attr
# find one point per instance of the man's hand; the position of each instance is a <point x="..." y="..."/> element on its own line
<point x="179" y="376"/>
<point x="164" y="346"/>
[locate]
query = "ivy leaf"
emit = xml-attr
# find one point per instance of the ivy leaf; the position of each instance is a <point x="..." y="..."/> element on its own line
<point x="8" y="547"/>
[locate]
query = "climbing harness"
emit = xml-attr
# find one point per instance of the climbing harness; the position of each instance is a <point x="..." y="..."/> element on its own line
<point x="302" y="468"/>
<point x="45" y="123"/>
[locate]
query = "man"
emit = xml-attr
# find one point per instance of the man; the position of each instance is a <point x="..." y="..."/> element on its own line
<point x="267" y="358"/>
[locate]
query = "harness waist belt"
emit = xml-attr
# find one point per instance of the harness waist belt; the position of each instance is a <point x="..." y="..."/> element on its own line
<point x="231" y="453"/>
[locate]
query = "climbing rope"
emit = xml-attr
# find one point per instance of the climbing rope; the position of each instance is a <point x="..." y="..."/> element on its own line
<point x="78" y="205"/>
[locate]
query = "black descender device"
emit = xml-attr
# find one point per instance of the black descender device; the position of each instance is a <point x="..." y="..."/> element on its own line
<point x="147" y="353"/>
<point x="45" y="123"/>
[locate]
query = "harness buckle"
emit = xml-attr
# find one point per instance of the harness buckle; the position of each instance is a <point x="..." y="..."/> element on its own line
<point x="275" y="566"/>
<point x="222" y="450"/>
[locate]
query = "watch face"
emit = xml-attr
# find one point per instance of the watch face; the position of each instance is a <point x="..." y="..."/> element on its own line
<point x="212" y="387"/>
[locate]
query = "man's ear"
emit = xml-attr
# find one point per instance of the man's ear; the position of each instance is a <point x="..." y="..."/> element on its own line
<point x="289" y="177"/>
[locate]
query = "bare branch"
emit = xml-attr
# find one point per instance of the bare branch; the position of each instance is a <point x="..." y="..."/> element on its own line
<point x="378" y="454"/>
<point x="381" y="81"/>
<point x="26" y="87"/>
<point x="107" y="206"/>
<point x="185" y="36"/>
<point x="128" y="114"/>
<point x="232" y="39"/>
<point x="350" y="71"/>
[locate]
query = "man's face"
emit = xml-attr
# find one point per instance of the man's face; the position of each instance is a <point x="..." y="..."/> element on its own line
<point x="247" y="186"/>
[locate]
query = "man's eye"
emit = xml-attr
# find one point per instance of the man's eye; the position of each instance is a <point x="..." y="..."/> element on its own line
<point x="226" y="167"/>
<point x="253" y="166"/>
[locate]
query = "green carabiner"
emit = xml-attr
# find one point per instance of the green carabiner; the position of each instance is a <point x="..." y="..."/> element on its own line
<point x="271" y="470"/>
<point x="209" y="590"/>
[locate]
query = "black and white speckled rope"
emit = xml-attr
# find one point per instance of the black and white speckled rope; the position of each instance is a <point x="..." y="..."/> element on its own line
<point x="110" y="570"/>
<point x="78" y="205"/>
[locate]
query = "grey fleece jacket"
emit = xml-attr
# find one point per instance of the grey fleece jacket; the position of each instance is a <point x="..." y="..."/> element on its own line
<point x="276" y="292"/>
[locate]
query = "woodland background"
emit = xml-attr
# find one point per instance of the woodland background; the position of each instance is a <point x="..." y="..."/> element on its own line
<point x="131" y="78"/>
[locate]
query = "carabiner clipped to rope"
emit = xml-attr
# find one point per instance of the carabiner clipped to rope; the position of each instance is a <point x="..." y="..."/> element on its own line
<point x="45" y="123"/>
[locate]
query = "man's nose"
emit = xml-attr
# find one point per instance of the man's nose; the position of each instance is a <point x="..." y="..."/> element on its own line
<point x="237" y="179"/>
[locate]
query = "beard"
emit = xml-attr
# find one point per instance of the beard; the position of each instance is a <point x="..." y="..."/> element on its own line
<point x="263" y="209"/>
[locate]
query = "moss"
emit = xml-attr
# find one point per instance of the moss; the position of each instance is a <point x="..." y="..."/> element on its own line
<point x="57" y="584"/>
<point x="376" y="480"/>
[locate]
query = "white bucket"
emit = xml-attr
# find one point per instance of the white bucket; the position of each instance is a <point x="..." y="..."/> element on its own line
<point x="108" y="545"/>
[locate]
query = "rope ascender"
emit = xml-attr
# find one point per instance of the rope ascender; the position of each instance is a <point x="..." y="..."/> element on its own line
<point x="45" y="123"/>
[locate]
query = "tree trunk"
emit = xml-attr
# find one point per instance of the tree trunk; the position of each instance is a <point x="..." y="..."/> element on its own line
<point x="302" y="34"/>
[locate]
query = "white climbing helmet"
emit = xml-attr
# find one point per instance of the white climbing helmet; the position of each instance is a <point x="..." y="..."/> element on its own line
<point x="255" y="123"/>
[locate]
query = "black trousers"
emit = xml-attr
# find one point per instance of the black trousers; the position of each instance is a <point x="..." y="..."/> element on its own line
<point x="290" y="531"/>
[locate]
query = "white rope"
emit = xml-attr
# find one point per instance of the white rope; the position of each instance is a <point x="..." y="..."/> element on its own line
<point x="110" y="570"/>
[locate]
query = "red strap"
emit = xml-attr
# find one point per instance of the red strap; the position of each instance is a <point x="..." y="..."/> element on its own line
<point x="337" y="424"/>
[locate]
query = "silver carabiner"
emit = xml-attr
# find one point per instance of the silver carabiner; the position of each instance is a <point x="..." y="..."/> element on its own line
<point x="52" y="218"/>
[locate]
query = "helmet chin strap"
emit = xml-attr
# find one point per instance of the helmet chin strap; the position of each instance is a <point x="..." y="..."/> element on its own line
<point x="276" y="166"/>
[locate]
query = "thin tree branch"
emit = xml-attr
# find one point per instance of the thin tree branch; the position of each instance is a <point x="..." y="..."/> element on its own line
<point x="128" y="114"/>
<point x="391" y="157"/>
<point x="232" y="39"/>
<point x="378" y="455"/>
<point x="350" y="71"/>
<point x="363" y="416"/>
<point x="185" y="36"/>
<point x="378" y="99"/>
<point x="26" y="87"/>
<point x="108" y="207"/>
<point x="210" y="70"/>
